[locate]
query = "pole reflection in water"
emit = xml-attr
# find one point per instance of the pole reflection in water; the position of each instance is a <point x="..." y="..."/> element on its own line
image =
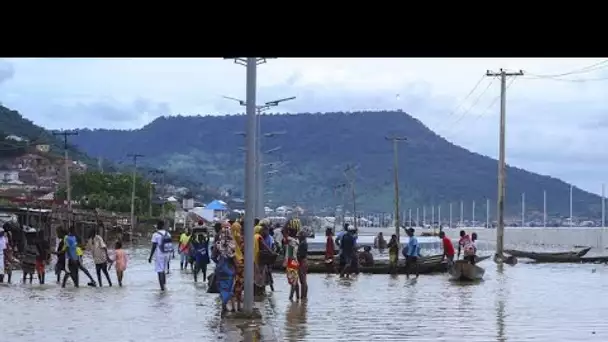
<point x="501" y="294"/>
<point x="296" y="321"/>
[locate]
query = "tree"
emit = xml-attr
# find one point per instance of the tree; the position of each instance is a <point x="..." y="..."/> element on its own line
<point x="110" y="191"/>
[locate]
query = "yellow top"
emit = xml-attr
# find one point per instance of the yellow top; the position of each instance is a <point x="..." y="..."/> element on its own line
<point x="257" y="236"/>
<point x="236" y="234"/>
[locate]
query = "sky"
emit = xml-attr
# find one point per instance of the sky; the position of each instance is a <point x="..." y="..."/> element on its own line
<point x="557" y="114"/>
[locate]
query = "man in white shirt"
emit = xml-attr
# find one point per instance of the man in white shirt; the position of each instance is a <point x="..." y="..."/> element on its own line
<point x="162" y="245"/>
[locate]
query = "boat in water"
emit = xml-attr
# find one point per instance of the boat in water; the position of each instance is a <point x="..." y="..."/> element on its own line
<point x="464" y="271"/>
<point x="550" y="256"/>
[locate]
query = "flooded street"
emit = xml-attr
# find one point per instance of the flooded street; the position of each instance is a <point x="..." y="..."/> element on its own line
<point x="528" y="302"/>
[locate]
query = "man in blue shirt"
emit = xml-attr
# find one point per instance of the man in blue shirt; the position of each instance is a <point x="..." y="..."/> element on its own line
<point x="413" y="252"/>
<point x="71" y="246"/>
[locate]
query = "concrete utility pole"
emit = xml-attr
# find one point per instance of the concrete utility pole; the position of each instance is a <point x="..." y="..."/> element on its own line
<point x="68" y="184"/>
<point x="523" y="209"/>
<point x="350" y="177"/>
<point x="162" y="185"/>
<point x="571" y="216"/>
<point x="396" y="140"/>
<point x="500" y="207"/>
<point x="603" y="205"/>
<point x="417" y="217"/>
<point x="451" y="215"/>
<point x="152" y="184"/>
<point x="544" y="209"/>
<point x="250" y="173"/>
<point x="473" y="215"/>
<point x="488" y="213"/>
<point x="461" y="214"/>
<point x="134" y="156"/>
<point x="259" y="174"/>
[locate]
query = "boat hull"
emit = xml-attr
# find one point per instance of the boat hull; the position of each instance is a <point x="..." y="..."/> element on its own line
<point x="426" y="265"/>
<point x="550" y="257"/>
<point x="464" y="271"/>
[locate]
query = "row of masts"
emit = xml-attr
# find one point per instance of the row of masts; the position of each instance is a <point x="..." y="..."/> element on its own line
<point x="473" y="210"/>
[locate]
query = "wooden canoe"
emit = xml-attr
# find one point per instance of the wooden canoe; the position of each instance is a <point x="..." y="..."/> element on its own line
<point x="464" y="271"/>
<point x="549" y="255"/>
<point x="426" y="265"/>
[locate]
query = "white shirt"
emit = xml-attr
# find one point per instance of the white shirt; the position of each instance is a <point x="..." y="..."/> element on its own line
<point x="278" y="235"/>
<point x="3" y="243"/>
<point x="157" y="238"/>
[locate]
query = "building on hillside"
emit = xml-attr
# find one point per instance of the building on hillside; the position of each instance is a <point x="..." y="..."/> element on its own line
<point x="219" y="208"/>
<point x="44" y="148"/>
<point x="10" y="177"/>
<point x="15" y="138"/>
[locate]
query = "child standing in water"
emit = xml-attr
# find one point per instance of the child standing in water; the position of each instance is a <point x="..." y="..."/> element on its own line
<point x="120" y="258"/>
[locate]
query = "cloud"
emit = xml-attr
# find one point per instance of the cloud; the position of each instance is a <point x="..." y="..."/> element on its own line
<point x="7" y="71"/>
<point x="553" y="127"/>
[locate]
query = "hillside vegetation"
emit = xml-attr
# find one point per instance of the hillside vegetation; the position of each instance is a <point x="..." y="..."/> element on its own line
<point x="13" y="123"/>
<point x="317" y="148"/>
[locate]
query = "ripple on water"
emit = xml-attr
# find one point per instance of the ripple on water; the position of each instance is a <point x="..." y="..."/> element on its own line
<point x="527" y="302"/>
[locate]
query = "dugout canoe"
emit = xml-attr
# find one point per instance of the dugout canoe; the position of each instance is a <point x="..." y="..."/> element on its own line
<point x="551" y="256"/>
<point x="426" y="265"/>
<point x="464" y="271"/>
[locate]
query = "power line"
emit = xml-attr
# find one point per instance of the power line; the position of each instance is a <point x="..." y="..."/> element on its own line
<point x="475" y="102"/>
<point x="484" y="112"/>
<point x="468" y="95"/>
<point x="583" y="70"/>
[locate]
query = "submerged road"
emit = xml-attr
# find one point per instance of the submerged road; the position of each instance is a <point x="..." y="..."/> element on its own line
<point x="527" y="302"/>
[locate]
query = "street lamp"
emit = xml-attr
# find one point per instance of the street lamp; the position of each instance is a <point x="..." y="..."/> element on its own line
<point x="258" y="174"/>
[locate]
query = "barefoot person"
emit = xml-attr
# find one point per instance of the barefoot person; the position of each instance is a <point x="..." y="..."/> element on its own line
<point x="162" y="247"/>
<point x="120" y="259"/>
<point x="99" y="251"/>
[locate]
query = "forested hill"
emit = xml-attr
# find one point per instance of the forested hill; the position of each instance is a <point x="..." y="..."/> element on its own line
<point x="315" y="151"/>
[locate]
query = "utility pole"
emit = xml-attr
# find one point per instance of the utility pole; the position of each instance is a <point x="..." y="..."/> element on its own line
<point x="571" y="217"/>
<point x="68" y="184"/>
<point x="150" y="200"/>
<point x="163" y="194"/>
<point x="487" y="213"/>
<point x="461" y="213"/>
<point x="410" y="217"/>
<point x="251" y="197"/>
<point x="417" y="217"/>
<point x="523" y="209"/>
<point x="259" y="174"/>
<point x="603" y="206"/>
<point x="433" y="216"/>
<point x="544" y="209"/>
<point x="351" y="182"/>
<point x="395" y="140"/>
<point x="424" y="216"/>
<point x="439" y="217"/>
<point x="451" y="215"/>
<point x="134" y="156"/>
<point x="500" y="207"/>
<point x="473" y="214"/>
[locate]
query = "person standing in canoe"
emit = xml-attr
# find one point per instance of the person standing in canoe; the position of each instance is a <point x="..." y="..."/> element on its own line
<point x="330" y="249"/>
<point x="413" y="252"/>
<point x="393" y="253"/>
<point x="448" y="248"/>
<point x="183" y="248"/>
<point x="464" y="240"/>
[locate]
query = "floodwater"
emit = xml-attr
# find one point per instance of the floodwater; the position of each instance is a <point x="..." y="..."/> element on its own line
<point x="527" y="302"/>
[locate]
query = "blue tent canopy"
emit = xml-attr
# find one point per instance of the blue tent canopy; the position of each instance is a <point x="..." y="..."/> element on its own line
<point x="216" y="205"/>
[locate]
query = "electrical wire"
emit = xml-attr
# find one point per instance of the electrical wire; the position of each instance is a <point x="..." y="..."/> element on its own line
<point x="486" y="110"/>
<point x="467" y="96"/>
<point x="475" y="102"/>
<point x="593" y="67"/>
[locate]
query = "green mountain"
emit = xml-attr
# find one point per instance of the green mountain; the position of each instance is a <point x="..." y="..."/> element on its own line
<point x="13" y="123"/>
<point x="316" y="149"/>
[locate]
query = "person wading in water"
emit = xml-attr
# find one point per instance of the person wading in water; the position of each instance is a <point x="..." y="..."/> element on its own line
<point x="199" y="244"/>
<point x="42" y="257"/>
<point x="162" y="246"/>
<point x="393" y="254"/>
<point x="347" y="252"/>
<point x="183" y="248"/>
<point x="99" y="251"/>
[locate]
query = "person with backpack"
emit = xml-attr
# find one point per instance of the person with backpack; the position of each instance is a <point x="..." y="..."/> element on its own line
<point x="162" y="248"/>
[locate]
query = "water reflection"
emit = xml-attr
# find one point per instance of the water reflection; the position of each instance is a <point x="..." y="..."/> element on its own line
<point x="365" y="308"/>
<point x="296" y="321"/>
